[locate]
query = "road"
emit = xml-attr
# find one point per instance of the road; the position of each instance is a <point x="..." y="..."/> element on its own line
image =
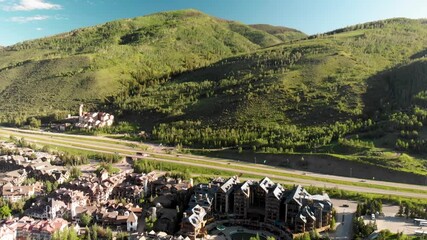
<point x="106" y="145"/>
<point x="344" y="219"/>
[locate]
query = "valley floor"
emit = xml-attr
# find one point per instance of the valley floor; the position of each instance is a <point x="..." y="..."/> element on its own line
<point x="286" y="176"/>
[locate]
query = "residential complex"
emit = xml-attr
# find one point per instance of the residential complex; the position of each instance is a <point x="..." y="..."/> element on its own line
<point x="124" y="201"/>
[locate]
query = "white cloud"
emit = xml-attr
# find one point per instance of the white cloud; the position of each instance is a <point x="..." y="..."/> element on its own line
<point x="28" y="5"/>
<point x="28" y="19"/>
<point x="39" y="29"/>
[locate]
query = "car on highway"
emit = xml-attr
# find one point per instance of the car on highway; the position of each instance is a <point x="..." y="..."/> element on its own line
<point x="142" y="154"/>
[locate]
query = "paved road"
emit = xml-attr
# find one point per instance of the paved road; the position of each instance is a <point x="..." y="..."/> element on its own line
<point x="92" y="143"/>
<point x="114" y="144"/>
<point x="344" y="219"/>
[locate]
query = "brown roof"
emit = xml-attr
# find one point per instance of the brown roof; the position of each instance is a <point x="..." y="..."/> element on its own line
<point x="10" y="190"/>
<point x="132" y="218"/>
<point x="136" y="210"/>
<point x="122" y="218"/>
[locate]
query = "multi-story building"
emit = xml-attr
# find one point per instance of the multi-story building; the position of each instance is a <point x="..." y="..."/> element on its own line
<point x="28" y="228"/>
<point x="267" y="202"/>
<point x="224" y="200"/>
<point x="242" y="197"/>
<point x="13" y="193"/>
<point x="91" y="120"/>
<point x="97" y="189"/>
<point x="203" y="196"/>
<point x="193" y="222"/>
<point x="8" y="230"/>
<point x="273" y="204"/>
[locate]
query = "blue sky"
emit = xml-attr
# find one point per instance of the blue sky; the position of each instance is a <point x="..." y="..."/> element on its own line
<point x="28" y="19"/>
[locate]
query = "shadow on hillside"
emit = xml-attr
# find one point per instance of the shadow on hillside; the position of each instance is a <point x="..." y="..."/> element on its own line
<point x="421" y="54"/>
<point x="394" y="88"/>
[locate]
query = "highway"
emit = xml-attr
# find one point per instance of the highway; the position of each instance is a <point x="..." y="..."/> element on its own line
<point x="288" y="176"/>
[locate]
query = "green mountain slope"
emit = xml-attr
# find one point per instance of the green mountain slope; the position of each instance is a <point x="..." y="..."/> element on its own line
<point x="351" y="92"/>
<point x="86" y="65"/>
<point x="259" y="37"/>
<point x="326" y="77"/>
<point x="283" y="33"/>
<point x="357" y="93"/>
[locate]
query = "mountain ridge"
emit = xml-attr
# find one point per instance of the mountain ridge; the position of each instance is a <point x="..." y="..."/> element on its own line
<point x="156" y="44"/>
<point x="283" y="33"/>
<point x="195" y="80"/>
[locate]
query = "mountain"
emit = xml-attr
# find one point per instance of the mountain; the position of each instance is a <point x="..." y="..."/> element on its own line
<point x="309" y="82"/>
<point x="357" y="93"/>
<point x="283" y="33"/>
<point x="86" y="65"/>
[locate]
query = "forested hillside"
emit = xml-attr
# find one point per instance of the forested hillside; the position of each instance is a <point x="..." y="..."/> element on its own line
<point x="55" y="74"/>
<point x="283" y="33"/>
<point x="190" y="79"/>
<point x="357" y="91"/>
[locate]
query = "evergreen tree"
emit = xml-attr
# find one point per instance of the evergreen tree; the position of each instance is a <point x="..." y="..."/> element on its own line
<point x="5" y="211"/>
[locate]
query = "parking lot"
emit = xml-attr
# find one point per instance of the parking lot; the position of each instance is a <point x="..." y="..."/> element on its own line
<point x="395" y="224"/>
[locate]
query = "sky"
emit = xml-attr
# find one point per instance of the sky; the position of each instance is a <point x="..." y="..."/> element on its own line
<point x="22" y="20"/>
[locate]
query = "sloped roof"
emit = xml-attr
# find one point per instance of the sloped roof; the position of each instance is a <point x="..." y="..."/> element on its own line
<point x="132" y="218"/>
<point x="277" y="191"/>
<point x="228" y="185"/>
<point x="322" y="197"/>
<point x="324" y="200"/>
<point x="198" y="213"/>
<point x="297" y="194"/>
<point x="265" y="184"/>
<point x="306" y="211"/>
<point x="245" y="187"/>
<point x="302" y="218"/>
<point x="8" y="185"/>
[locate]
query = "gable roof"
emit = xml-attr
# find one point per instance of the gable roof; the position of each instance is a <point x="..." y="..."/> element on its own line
<point x="228" y="185"/>
<point x="278" y="191"/>
<point x="132" y="218"/>
<point x="245" y="188"/>
<point x="265" y="184"/>
<point x="297" y="194"/>
<point x="307" y="213"/>
<point x="198" y="213"/>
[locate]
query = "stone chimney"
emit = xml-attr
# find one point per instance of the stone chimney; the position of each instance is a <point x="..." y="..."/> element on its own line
<point x="154" y="213"/>
<point x="145" y="186"/>
<point x="81" y="110"/>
